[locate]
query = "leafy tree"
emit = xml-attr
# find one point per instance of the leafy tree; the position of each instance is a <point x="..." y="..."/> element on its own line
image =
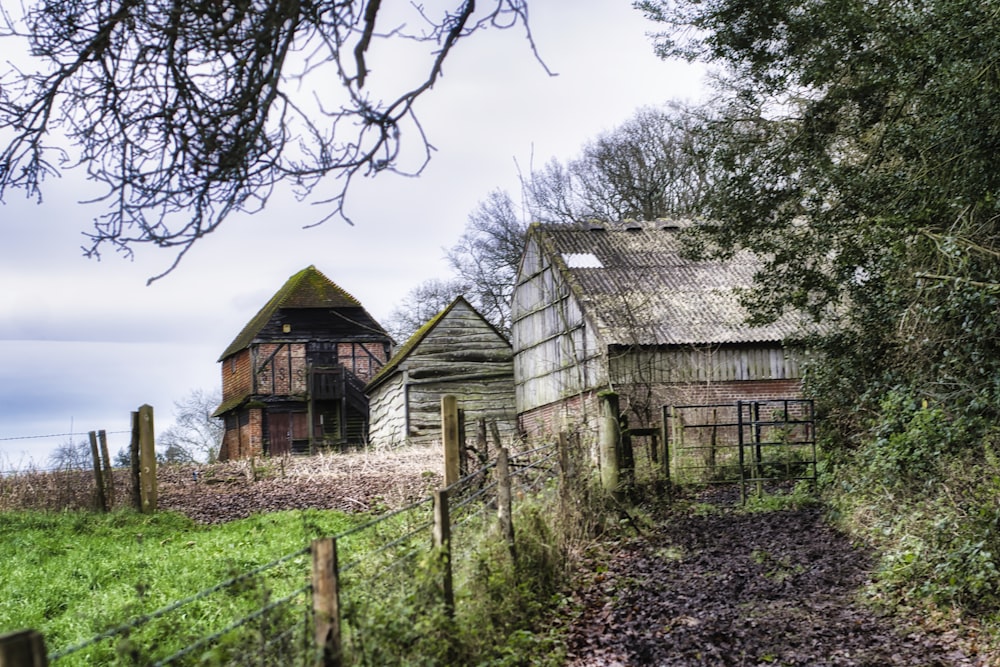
<point x="196" y="434"/>
<point x="856" y="152"/>
<point x="187" y="111"/>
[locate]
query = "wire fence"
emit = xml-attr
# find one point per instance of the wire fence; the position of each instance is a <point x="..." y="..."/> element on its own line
<point x="385" y="571"/>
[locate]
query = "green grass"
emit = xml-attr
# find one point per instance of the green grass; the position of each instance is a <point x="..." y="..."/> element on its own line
<point x="72" y="575"/>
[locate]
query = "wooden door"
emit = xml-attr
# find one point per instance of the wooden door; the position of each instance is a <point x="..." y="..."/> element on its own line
<point x="280" y="432"/>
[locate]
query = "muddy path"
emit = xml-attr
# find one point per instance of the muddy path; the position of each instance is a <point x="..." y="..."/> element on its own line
<point x="723" y="587"/>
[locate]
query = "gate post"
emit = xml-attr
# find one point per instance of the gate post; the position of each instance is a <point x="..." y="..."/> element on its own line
<point x="608" y="441"/>
<point x="739" y="440"/>
<point x="666" y="414"/>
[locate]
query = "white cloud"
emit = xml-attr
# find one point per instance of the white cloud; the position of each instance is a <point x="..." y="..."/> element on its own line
<point x="137" y="344"/>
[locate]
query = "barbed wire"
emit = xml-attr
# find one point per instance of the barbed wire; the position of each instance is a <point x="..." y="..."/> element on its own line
<point x="56" y="435"/>
<point x="145" y="618"/>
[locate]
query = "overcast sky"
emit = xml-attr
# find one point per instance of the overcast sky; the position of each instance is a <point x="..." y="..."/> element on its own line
<point x="83" y="343"/>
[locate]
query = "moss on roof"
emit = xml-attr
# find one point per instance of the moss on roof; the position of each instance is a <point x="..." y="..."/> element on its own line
<point x="308" y="288"/>
<point x="418" y="336"/>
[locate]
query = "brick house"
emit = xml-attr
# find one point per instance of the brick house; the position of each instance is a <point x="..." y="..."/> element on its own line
<point x="615" y="306"/>
<point x="293" y="379"/>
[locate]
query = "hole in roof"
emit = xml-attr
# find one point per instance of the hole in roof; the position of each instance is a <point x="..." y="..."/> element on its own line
<point x="582" y="260"/>
<point x="670" y="228"/>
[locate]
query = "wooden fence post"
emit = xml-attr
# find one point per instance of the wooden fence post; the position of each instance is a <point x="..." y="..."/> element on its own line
<point x="133" y="453"/>
<point x="449" y="436"/>
<point x="25" y="648"/>
<point x="482" y="443"/>
<point x="147" y="459"/>
<point x="326" y="602"/>
<point x="608" y="441"/>
<point x="666" y="415"/>
<point x="102" y="500"/>
<point x="626" y="456"/>
<point x="442" y="542"/>
<point x="109" y="478"/>
<point x="565" y="472"/>
<point x="504" y="515"/>
<point x="463" y="450"/>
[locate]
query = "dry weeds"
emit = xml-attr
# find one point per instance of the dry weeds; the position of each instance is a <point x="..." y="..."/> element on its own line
<point x="352" y="482"/>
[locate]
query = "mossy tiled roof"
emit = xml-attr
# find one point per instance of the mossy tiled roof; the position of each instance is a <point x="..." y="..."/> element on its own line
<point x="414" y="340"/>
<point x="308" y="288"/>
<point x="418" y="337"/>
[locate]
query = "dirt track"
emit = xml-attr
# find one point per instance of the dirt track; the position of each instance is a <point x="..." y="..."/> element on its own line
<point x="728" y="588"/>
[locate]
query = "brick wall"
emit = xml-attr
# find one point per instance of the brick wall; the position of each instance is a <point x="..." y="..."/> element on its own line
<point x="236" y="375"/>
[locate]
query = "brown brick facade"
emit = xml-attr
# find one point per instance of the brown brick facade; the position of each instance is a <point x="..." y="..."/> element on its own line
<point x="237" y="375"/>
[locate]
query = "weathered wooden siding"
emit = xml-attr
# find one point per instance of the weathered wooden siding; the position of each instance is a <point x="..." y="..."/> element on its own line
<point x="387" y="409"/>
<point x="556" y="352"/>
<point x="461" y="355"/>
<point x="702" y="364"/>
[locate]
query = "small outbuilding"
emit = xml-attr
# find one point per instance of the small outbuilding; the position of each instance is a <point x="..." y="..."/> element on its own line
<point x="293" y="379"/>
<point x="457" y="352"/>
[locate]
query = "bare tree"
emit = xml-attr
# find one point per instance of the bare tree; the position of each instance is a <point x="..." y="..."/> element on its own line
<point x="487" y="255"/>
<point x="187" y="111"/>
<point x="71" y="455"/>
<point x="196" y="434"/>
<point x="421" y="304"/>
<point x="649" y="167"/>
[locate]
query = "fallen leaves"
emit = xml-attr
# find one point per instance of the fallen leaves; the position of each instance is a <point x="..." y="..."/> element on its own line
<point x="728" y="588"/>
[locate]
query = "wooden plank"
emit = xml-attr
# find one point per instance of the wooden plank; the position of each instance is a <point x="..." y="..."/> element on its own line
<point x="109" y="478"/>
<point x="326" y="602"/>
<point x="442" y="542"/>
<point x="24" y="648"/>
<point x="102" y="499"/>
<point x="147" y="459"/>
<point x="449" y="438"/>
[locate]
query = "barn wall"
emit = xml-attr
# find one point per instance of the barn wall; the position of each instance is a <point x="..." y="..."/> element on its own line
<point x="362" y="359"/>
<point x="575" y="414"/>
<point x="703" y="364"/>
<point x="556" y="353"/>
<point x="387" y="409"/>
<point x="246" y="439"/>
<point x="280" y="369"/>
<point x="727" y="392"/>
<point x="237" y="375"/>
<point x="461" y="355"/>
<point x="490" y="399"/>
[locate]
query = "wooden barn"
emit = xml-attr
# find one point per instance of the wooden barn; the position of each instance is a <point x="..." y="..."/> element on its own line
<point x="457" y="352"/>
<point x="615" y="307"/>
<point x="293" y="379"/>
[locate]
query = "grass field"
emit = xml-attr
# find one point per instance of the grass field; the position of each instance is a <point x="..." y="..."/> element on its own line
<point x="73" y="575"/>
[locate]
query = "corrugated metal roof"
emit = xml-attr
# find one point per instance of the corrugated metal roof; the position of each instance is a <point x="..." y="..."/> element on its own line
<point x="645" y="293"/>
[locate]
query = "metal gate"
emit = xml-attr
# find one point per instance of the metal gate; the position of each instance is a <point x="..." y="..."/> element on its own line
<point x="751" y="443"/>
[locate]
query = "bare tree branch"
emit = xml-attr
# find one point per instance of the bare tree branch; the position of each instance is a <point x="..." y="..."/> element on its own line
<point x="186" y="111"/>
